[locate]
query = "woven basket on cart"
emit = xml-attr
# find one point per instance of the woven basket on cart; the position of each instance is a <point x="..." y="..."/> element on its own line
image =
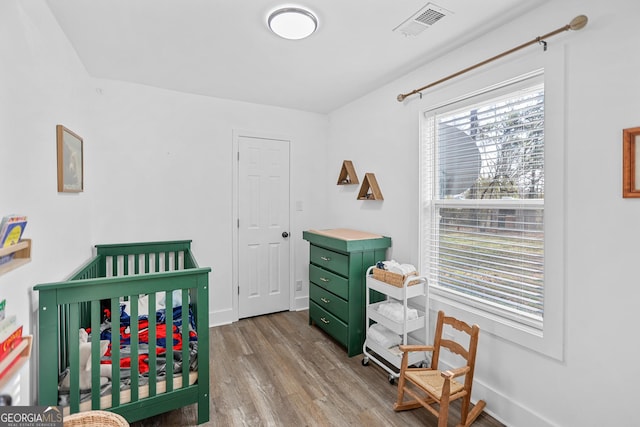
<point x="95" y="419"/>
<point x="394" y="279"/>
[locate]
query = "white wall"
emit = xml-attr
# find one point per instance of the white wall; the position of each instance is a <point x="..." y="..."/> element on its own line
<point x="162" y="169"/>
<point x="42" y="83"/>
<point x="590" y="386"/>
<point x="158" y="164"/>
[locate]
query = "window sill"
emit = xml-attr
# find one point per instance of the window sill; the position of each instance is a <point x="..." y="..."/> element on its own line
<point x="528" y="333"/>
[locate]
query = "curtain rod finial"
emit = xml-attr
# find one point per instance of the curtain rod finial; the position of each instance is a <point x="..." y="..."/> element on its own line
<point x="578" y="22"/>
<point x="401" y="97"/>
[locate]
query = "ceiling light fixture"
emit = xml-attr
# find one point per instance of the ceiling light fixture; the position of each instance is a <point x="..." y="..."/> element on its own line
<point x="292" y="23"/>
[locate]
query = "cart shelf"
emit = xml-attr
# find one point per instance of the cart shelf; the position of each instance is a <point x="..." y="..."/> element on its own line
<point x="397" y="327"/>
<point x="393" y="356"/>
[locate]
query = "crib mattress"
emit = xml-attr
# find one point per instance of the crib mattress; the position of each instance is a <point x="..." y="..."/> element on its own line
<point x="125" y="395"/>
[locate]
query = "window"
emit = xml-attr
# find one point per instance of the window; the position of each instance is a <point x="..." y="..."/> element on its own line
<point x="483" y="191"/>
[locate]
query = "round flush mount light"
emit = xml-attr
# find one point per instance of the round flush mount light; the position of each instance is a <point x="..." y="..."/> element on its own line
<point x="292" y="23"/>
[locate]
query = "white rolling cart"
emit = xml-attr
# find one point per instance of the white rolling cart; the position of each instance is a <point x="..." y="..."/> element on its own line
<point x="414" y="287"/>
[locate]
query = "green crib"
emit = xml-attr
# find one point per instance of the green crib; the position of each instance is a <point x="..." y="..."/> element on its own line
<point x="126" y="275"/>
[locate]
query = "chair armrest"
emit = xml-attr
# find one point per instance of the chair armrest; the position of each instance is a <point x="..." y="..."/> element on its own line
<point x="405" y="348"/>
<point x="453" y="373"/>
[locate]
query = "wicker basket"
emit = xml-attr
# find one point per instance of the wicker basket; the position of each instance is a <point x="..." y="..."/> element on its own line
<point x="394" y="279"/>
<point x="95" y="419"/>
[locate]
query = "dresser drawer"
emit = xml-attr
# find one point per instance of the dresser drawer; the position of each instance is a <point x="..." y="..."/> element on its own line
<point x="330" y="302"/>
<point x="329" y="323"/>
<point x="329" y="281"/>
<point x="330" y="260"/>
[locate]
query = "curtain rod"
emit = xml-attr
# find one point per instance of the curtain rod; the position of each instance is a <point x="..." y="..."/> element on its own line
<point x="576" y="23"/>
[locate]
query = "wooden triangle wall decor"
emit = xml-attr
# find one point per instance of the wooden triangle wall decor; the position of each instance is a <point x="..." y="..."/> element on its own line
<point x="348" y="174"/>
<point x="370" y="189"/>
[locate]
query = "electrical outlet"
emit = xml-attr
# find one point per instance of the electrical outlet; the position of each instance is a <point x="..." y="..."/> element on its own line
<point x="298" y="285"/>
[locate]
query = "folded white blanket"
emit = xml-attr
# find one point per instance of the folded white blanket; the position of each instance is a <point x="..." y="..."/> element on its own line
<point x="396" y="267"/>
<point x="395" y="311"/>
<point x="383" y="336"/>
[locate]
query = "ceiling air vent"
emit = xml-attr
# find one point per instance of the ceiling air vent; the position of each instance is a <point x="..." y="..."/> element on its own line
<point x="422" y="19"/>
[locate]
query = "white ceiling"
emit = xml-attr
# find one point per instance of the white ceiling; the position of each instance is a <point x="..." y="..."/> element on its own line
<point x="222" y="48"/>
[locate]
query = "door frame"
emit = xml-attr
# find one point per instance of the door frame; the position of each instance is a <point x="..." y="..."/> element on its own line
<point x="237" y="134"/>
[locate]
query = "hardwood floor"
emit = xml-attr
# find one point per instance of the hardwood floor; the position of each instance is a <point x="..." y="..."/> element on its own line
<point x="276" y="370"/>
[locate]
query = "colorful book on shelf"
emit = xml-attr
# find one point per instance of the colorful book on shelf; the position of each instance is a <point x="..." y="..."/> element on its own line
<point x="12" y="229"/>
<point x="10" y="343"/>
<point x="3" y="305"/>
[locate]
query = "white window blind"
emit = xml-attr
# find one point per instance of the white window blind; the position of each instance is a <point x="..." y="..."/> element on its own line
<point x="482" y="185"/>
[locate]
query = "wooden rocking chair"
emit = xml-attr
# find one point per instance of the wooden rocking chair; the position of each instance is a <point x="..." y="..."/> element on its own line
<point x="428" y="386"/>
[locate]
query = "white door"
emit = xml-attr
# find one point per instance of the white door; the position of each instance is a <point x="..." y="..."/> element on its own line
<point x="263" y="226"/>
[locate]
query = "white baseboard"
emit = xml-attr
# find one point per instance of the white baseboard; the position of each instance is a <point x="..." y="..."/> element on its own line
<point x="503" y="408"/>
<point x="221" y="317"/>
<point x="301" y="303"/>
<point x="227" y="316"/>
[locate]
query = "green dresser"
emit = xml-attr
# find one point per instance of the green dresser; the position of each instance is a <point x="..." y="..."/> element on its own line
<point x="339" y="259"/>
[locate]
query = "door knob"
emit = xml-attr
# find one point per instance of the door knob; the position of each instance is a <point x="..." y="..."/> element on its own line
<point x="285" y="234"/>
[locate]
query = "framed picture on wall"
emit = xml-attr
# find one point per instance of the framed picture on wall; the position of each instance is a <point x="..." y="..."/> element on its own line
<point x="70" y="161"/>
<point x="630" y="162"/>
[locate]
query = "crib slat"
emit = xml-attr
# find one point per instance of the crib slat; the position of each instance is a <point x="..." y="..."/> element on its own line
<point x="74" y="357"/>
<point x="202" y="315"/>
<point x="95" y="354"/>
<point x="169" y="340"/>
<point x="63" y="316"/>
<point x="115" y="352"/>
<point x="153" y="366"/>
<point x="134" y="347"/>
<point x="185" y="338"/>
<point x="166" y="261"/>
<point x="136" y="260"/>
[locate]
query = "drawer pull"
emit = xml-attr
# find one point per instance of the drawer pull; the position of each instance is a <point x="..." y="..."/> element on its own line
<point x="324" y="300"/>
<point x="324" y="279"/>
<point x="325" y="258"/>
<point x="325" y="321"/>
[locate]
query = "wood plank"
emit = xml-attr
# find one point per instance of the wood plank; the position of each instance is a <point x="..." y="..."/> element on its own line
<point x="347" y="234"/>
<point x="22" y="255"/>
